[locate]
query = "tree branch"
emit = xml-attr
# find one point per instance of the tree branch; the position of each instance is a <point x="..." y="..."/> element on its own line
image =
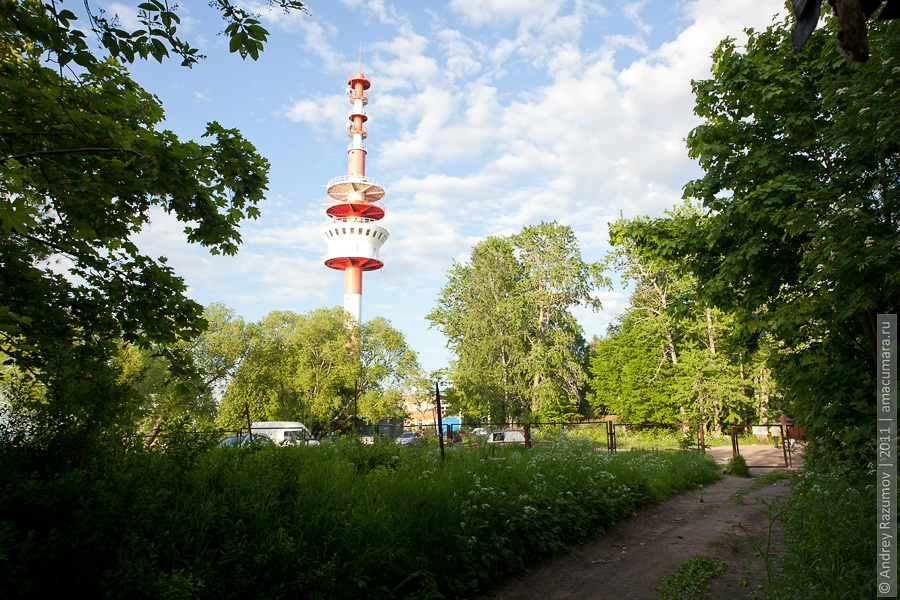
<point x="69" y="151"/>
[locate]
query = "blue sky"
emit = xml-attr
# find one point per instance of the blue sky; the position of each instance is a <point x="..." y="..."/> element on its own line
<point x="484" y="116"/>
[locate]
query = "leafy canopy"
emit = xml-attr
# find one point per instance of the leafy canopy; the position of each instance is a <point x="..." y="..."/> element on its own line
<point x="507" y="315"/>
<point x="312" y="368"/>
<point x="801" y="228"/>
<point x="82" y="162"/>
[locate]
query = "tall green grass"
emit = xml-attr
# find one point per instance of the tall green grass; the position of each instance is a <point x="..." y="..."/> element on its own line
<point x="831" y="522"/>
<point x="340" y="520"/>
<point x="650" y="437"/>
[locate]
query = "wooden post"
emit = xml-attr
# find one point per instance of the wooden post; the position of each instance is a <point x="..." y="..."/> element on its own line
<point x="734" y="443"/>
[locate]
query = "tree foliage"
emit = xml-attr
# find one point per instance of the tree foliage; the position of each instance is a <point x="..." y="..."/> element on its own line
<point x="507" y="315"/>
<point x="669" y="358"/>
<point x="82" y="162"/>
<point x="312" y="368"/>
<point x="800" y="226"/>
<point x="181" y="384"/>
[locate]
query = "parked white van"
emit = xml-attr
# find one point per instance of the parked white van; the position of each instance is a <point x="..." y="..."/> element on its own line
<point x="285" y="433"/>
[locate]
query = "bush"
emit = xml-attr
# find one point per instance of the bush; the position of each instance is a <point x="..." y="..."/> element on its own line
<point x="737" y="466"/>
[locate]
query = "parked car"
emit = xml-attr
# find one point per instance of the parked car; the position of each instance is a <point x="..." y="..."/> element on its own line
<point x="285" y="433"/>
<point x="245" y="439"/>
<point x="410" y="437"/>
<point x="506" y="436"/>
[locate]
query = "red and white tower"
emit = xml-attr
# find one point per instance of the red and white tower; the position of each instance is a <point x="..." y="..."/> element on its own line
<point x="353" y="232"/>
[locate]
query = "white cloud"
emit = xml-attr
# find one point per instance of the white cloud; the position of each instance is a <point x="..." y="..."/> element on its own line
<point x="385" y="14"/>
<point x="528" y="12"/>
<point x="460" y="53"/>
<point x="322" y="113"/>
<point x="403" y="63"/>
<point x="271" y="267"/>
<point x="632" y="12"/>
<point x="126" y="13"/>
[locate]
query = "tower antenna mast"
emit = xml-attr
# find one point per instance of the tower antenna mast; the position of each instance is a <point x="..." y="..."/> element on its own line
<point x="354" y="232"/>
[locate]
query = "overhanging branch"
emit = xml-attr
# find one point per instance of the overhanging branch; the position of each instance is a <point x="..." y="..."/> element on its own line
<point x="40" y="153"/>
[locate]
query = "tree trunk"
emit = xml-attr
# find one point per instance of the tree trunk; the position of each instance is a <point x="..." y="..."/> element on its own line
<point x="869" y="318"/>
<point x="671" y="340"/>
<point x="148" y="441"/>
<point x="709" y="332"/>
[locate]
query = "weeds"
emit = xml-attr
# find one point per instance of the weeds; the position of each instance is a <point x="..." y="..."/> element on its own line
<point x="690" y="580"/>
<point x="829" y="523"/>
<point x="830" y="539"/>
<point x="737" y="467"/>
<point x="765" y="552"/>
<point x="335" y="521"/>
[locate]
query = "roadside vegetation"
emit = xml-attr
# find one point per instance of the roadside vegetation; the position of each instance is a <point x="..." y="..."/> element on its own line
<point x="341" y="520"/>
<point x="690" y="580"/>
<point x="737" y="466"/>
<point x="831" y="523"/>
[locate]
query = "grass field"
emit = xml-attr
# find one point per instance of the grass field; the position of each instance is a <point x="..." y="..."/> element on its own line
<point x="341" y="520"/>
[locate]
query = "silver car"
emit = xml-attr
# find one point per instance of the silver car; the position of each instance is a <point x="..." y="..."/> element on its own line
<point x="245" y="439"/>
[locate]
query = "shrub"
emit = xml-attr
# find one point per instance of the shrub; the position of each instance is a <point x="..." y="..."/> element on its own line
<point x="737" y="466"/>
<point x="830" y="534"/>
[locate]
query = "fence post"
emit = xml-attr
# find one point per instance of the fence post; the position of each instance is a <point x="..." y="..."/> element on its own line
<point x="440" y="425"/>
<point x="788" y="461"/>
<point x="527" y="436"/>
<point x="702" y="434"/>
<point x="734" y="444"/>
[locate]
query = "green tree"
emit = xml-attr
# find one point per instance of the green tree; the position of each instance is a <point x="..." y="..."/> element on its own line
<point x="631" y="373"/>
<point x="82" y="161"/>
<point x="480" y="313"/>
<point x="312" y="368"/>
<point x="388" y="368"/>
<point x="801" y="206"/>
<point x="507" y="316"/>
<point x="670" y="358"/>
<point x="181" y="384"/>
<point x="555" y="280"/>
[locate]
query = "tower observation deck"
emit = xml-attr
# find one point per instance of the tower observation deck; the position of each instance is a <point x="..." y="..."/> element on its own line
<point x="353" y="232"/>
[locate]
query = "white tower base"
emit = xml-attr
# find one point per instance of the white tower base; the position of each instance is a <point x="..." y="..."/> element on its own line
<point x="353" y="305"/>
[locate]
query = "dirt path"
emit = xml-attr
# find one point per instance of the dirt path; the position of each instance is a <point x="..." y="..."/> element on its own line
<point x="630" y="559"/>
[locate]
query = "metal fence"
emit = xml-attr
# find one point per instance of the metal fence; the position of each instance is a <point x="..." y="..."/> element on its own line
<point x="775" y="449"/>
